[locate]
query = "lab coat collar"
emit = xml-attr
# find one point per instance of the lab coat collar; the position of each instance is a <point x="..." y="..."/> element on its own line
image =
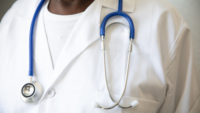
<point x="128" y="5"/>
<point x="30" y="5"/>
<point x="80" y="38"/>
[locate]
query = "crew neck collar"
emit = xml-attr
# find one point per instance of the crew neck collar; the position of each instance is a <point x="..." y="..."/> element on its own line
<point x="50" y="16"/>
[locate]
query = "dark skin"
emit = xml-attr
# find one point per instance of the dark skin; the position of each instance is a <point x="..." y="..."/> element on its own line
<point x="68" y="7"/>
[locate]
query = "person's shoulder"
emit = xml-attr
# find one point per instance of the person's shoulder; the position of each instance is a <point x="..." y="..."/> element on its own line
<point x="158" y="7"/>
<point x="20" y="8"/>
<point x="161" y="12"/>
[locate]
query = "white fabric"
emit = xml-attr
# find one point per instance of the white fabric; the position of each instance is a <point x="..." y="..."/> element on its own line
<point x="58" y="29"/>
<point x="162" y="75"/>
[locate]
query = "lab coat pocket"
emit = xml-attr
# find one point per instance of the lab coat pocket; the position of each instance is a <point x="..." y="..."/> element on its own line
<point x="144" y="106"/>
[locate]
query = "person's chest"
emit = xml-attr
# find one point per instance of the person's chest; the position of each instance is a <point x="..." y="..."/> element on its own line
<point x="78" y="80"/>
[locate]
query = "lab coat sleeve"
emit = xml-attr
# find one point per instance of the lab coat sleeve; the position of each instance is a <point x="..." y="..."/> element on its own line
<point x="183" y="81"/>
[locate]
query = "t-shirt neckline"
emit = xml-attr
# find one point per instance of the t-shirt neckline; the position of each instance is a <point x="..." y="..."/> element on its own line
<point x="56" y="17"/>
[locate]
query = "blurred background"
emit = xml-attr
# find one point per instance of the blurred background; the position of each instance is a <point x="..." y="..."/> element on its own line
<point x="189" y="9"/>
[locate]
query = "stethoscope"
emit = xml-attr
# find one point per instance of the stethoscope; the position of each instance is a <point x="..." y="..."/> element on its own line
<point x="32" y="91"/>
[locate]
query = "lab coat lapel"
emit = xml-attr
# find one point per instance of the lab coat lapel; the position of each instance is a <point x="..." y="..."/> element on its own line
<point x="42" y="55"/>
<point x="85" y="32"/>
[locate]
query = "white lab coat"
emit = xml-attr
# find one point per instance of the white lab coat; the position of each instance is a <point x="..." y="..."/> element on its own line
<point x="162" y="74"/>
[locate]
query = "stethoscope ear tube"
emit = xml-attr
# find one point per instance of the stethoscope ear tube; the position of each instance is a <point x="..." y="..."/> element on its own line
<point x="135" y="102"/>
<point x="102" y="33"/>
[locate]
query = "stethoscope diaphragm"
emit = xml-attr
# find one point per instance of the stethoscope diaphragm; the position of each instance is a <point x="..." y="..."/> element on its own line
<point x="28" y="90"/>
<point x="31" y="92"/>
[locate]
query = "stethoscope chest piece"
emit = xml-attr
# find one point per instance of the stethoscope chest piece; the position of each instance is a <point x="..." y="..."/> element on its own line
<point x="31" y="92"/>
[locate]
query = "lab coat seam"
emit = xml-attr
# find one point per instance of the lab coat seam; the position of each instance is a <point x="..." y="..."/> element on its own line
<point x="171" y="48"/>
<point x="174" y="48"/>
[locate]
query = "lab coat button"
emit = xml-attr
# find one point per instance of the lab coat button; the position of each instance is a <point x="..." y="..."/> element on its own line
<point x="50" y="93"/>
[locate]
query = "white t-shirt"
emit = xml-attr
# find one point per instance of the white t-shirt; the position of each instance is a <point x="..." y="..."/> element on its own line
<point x="58" y="29"/>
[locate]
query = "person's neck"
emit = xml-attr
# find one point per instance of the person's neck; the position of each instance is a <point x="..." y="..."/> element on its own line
<point x="68" y="7"/>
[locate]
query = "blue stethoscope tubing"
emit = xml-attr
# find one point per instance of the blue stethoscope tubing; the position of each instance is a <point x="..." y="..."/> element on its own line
<point x="31" y="48"/>
<point x="118" y="13"/>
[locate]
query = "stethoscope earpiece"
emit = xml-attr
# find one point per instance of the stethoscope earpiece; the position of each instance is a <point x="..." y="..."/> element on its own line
<point x="134" y="103"/>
